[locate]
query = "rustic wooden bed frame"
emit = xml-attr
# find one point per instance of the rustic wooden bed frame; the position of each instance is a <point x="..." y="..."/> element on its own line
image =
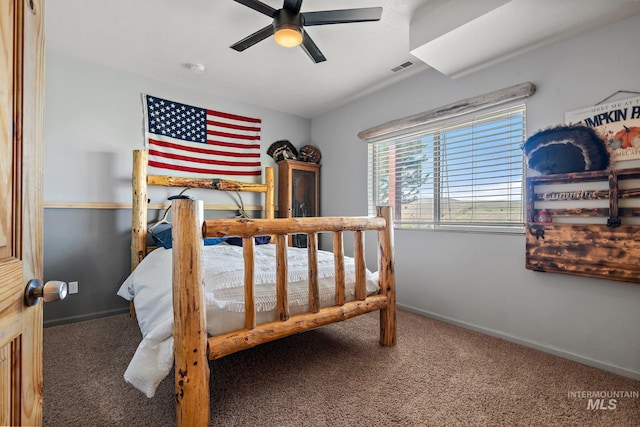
<point x="193" y="346"/>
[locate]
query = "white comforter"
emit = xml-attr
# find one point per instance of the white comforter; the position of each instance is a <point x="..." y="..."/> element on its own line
<point x="150" y="287"/>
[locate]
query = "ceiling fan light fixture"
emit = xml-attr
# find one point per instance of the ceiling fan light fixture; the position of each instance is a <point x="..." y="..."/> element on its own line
<point x="288" y="35"/>
<point x="288" y="24"/>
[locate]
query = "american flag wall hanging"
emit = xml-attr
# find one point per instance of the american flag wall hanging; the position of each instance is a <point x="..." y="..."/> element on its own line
<point x="184" y="140"/>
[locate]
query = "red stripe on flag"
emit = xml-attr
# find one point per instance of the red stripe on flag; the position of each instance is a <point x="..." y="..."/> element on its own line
<point x="233" y="116"/>
<point x="206" y="161"/>
<point x="200" y="170"/>
<point x="232" y="144"/>
<point x="232" y="126"/>
<point x="233" y="135"/>
<point x="200" y="150"/>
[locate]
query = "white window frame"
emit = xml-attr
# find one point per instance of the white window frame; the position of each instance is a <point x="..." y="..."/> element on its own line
<point x="398" y="132"/>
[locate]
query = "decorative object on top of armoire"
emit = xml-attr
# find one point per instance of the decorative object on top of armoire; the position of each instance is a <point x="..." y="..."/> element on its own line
<point x="595" y="225"/>
<point x="309" y="153"/>
<point x="298" y="193"/>
<point x="282" y="150"/>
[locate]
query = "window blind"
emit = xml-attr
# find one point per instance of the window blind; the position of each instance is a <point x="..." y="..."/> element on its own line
<point x="463" y="173"/>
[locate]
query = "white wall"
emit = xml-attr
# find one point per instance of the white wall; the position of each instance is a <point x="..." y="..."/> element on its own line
<point x="93" y="121"/>
<point x="479" y="280"/>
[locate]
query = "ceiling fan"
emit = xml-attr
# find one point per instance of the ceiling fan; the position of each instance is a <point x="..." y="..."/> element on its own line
<point x="288" y="24"/>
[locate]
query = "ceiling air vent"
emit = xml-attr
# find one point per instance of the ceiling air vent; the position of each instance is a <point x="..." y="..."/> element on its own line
<point x="402" y="66"/>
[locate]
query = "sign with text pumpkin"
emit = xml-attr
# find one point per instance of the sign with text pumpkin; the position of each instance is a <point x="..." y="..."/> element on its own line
<point x="617" y="122"/>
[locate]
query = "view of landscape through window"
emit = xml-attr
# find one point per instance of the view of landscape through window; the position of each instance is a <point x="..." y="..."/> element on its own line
<point x="464" y="173"/>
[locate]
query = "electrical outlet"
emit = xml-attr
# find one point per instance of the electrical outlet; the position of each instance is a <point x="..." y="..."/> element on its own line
<point x="73" y="287"/>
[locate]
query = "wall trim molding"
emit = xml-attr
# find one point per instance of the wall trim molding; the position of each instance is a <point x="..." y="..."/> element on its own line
<point x="115" y="206"/>
<point x="629" y="373"/>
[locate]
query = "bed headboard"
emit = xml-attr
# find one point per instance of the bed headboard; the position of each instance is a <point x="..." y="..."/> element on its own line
<point x="141" y="180"/>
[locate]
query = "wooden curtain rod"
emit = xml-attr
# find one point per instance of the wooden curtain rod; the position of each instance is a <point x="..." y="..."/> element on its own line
<point x="523" y="90"/>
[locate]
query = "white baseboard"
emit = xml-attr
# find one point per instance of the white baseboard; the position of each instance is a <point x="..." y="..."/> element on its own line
<point x="528" y="343"/>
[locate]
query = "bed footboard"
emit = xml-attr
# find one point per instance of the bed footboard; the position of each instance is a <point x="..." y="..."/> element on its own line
<point x="192" y="345"/>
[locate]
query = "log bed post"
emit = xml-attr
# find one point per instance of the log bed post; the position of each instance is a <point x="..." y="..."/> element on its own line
<point x="270" y="193"/>
<point x="139" y="208"/>
<point x="189" y="314"/>
<point x="138" y="213"/>
<point x="387" y="278"/>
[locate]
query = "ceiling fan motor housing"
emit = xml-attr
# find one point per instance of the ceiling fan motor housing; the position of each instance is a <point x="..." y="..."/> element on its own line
<point x="288" y="19"/>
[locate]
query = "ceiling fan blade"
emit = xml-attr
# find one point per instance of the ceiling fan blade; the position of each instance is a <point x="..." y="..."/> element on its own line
<point x="293" y="5"/>
<point x="344" y="16"/>
<point x="259" y="6"/>
<point x="253" y="38"/>
<point x="311" y="49"/>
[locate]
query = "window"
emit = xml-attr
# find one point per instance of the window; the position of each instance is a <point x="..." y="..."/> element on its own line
<point x="464" y="174"/>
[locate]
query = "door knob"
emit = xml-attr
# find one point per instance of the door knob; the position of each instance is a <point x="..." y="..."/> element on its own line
<point x="53" y="290"/>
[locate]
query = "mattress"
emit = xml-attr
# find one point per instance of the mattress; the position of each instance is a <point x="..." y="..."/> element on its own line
<point x="150" y="285"/>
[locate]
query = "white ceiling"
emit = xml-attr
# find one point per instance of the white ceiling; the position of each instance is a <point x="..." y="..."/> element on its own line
<point x="156" y="38"/>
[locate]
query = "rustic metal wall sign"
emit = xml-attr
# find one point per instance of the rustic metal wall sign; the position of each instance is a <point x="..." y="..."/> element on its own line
<point x="617" y="122"/>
